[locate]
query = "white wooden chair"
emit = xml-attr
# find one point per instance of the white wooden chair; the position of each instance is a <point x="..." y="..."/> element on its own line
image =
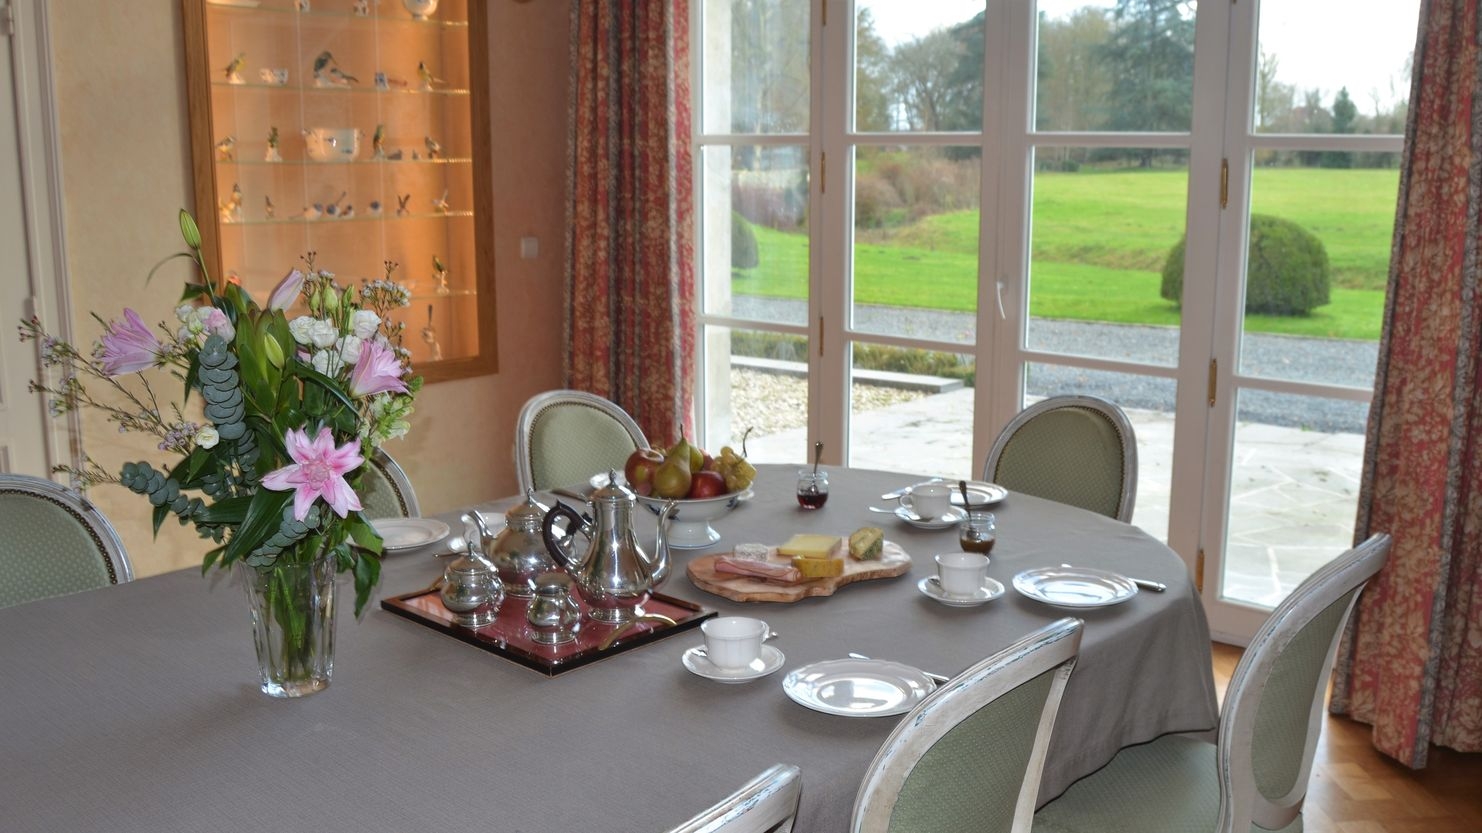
<point x="55" y="542"/>
<point x="1079" y="450"/>
<point x="385" y="490"/>
<point x="565" y="436"/>
<point x="767" y="803"/>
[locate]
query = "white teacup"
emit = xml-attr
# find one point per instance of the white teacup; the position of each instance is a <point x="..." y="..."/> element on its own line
<point x="930" y="501"/>
<point x="962" y="573"/>
<point x="733" y="642"/>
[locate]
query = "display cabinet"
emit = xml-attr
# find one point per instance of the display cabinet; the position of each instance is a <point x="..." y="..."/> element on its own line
<point x="355" y="132"/>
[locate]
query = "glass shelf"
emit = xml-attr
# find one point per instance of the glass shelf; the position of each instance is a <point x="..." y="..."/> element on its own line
<point x="334" y="221"/>
<point x="309" y="163"/>
<point x="312" y="88"/>
<point x="381" y="18"/>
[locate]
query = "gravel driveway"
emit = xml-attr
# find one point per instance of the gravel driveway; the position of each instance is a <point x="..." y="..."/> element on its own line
<point x="1333" y="361"/>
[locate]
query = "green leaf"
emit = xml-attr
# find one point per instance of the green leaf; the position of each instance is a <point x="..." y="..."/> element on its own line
<point x="264" y="515"/>
<point x="210" y="559"/>
<point x="231" y="511"/>
<point x="167" y="259"/>
<point x="367" y="573"/>
<point x="192" y="375"/>
<point x="160" y="513"/>
<point x="363" y="534"/>
<point x="323" y="382"/>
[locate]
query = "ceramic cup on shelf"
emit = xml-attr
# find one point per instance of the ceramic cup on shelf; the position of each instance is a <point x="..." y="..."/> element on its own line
<point x="733" y="642"/>
<point x="420" y="9"/>
<point x="961" y="573"/>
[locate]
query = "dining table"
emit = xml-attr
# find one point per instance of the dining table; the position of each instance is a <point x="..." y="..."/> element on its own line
<point x="137" y="707"/>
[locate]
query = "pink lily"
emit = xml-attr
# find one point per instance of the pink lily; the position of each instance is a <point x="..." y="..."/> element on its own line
<point x="318" y="470"/>
<point x="377" y="371"/>
<point x="287" y="291"/>
<point x="128" y="346"/>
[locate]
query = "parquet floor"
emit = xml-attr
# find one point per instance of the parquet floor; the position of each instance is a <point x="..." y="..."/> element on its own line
<point x="1355" y="789"/>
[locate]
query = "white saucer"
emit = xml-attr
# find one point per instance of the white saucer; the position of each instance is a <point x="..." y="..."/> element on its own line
<point x="954" y="516"/>
<point x="932" y="589"/>
<point x="770" y="660"/>
<point x="409" y="533"/>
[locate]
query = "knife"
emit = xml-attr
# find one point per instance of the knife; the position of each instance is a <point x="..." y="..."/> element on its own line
<point x="1146" y="584"/>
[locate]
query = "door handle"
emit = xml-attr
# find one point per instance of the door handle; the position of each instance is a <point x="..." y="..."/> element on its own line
<point x="1001" y="313"/>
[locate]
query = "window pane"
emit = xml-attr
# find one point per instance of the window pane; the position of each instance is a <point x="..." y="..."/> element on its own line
<point x="1125" y="65"/>
<point x="1148" y="402"/>
<point x="1293" y="491"/>
<point x="754" y="66"/>
<point x="1321" y="228"/>
<point x="916" y="242"/>
<point x="912" y="411"/>
<point x="1107" y="224"/>
<point x="756" y="232"/>
<point x="759" y="381"/>
<point x="1355" y="78"/>
<point x="918" y="66"/>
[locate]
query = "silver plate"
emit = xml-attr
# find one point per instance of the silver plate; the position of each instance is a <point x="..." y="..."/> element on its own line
<point x="409" y="533"/>
<point x="1075" y="586"/>
<point x="858" y="687"/>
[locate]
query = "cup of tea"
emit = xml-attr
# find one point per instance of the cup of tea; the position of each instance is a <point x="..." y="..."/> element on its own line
<point x="733" y="642"/>
<point x="812" y="488"/>
<point x="929" y="501"/>
<point x="962" y="574"/>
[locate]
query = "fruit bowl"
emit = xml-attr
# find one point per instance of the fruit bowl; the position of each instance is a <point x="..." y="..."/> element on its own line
<point x="690" y="527"/>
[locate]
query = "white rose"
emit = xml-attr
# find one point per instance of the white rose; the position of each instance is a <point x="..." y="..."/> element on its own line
<point x="323" y="333"/>
<point x="325" y="362"/>
<point x="349" y="348"/>
<point x="364" y="323"/>
<point x="183" y="312"/>
<point x="184" y="334"/>
<point x="207" y="437"/>
<point x="301" y="328"/>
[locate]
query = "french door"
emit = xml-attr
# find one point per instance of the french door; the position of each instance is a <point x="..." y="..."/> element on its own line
<point x="919" y="217"/>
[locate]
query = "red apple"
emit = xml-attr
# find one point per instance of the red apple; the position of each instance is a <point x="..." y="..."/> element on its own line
<point x="708" y="463"/>
<point x="706" y="484"/>
<point x="641" y="466"/>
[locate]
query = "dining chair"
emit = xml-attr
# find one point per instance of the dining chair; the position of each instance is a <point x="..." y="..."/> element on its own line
<point x="1254" y="777"/>
<point x="56" y="542"/>
<point x="767" y="803"/>
<point x="565" y="436"/>
<point x="969" y="756"/>
<point x="1073" y="449"/>
<point x="385" y="490"/>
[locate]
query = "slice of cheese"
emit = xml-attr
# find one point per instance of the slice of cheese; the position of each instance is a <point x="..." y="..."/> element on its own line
<point x="810" y="546"/>
<point x="867" y="543"/>
<point x="818" y="567"/>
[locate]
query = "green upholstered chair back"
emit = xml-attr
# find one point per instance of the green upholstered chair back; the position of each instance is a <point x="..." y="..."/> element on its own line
<point x="1078" y="450"/>
<point x="385" y="491"/>
<point x="1273" y="707"/>
<point x="969" y="756"/>
<point x="767" y="803"/>
<point x="54" y="542"/>
<point x="566" y="436"/>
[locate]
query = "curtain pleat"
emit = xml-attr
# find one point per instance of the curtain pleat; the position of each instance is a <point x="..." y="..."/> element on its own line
<point x="629" y="315"/>
<point x="1411" y="661"/>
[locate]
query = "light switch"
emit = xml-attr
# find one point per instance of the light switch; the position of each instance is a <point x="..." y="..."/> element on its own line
<point x="529" y="248"/>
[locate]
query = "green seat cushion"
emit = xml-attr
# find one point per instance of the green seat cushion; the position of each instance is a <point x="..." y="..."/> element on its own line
<point x="45" y="551"/>
<point x="1168" y="786"/>
<point x="571" y="442"/>
<point x="1069" y="455"/>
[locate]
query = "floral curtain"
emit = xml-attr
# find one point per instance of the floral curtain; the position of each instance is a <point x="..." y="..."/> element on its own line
<point x="630" y="279"/>
<point x="1411" y="662"/>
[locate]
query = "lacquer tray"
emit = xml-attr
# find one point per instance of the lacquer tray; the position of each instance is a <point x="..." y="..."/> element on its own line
<point x="508" y="636"/>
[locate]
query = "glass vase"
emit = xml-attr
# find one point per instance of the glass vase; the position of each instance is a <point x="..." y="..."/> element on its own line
<point x="292" y="606"/>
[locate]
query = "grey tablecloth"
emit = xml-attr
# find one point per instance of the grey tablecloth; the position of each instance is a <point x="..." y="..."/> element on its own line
<point x="135" y="708"/>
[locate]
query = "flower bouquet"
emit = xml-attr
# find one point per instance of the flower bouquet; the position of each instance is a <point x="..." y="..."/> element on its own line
<point x="292" y="409"/>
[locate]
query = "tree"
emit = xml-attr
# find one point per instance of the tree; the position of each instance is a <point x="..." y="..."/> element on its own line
<point x="1150" y="60"/>
<point x="1073" y="86"/>
<point x="769" y="69"/>
<point x="922" y="81"/>
<point x="1345" y="112"/>
<point x="871" y="76"/>
<point x="1274" y="100"/>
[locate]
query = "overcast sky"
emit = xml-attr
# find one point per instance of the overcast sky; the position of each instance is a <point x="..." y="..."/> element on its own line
<point x="1326" y="44"/>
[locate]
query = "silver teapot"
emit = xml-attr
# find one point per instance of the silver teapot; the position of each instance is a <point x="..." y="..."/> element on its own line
<point x="518" y="552"/>
<point x="471" y="589"/>
<point x="614" y="576"/>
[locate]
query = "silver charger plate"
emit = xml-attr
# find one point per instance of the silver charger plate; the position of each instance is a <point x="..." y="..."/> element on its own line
<point x="1075" y="586"/>
<point x="858" y="687"/>
<point x="409" y="533"/>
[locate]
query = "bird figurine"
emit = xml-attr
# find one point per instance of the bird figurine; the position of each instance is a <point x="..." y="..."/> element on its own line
<point x="226" y="149"/>
<point x="273" y="155"/>
<point x="314" y="212"/>
<point x="374" y="208"/>
<point x="269" y="210"/>
<point x="378" y="142"/>
<point x="440" y="205"/>
<point x="347" y="212"/>
<point x="440" y="274"/>
<point x="395" y="155"/>
<point x="234" y="69"/>
<point x="302" y="5"/>
<point x="361" y="8"/>
<point x="231" y="210"/>
<point x="401" y="205"/>
<point x="426" y="76"/>
<point x="434" y="150"/>
<point x="327" y="73"/>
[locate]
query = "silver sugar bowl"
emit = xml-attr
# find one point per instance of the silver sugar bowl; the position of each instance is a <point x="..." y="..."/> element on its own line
<point x="471" y="589"/>
<point x="553" y="615"/>
<point x="519" y="553"/>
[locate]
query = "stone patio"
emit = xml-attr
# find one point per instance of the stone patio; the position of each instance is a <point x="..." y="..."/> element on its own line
<point x="1292" y="502"/>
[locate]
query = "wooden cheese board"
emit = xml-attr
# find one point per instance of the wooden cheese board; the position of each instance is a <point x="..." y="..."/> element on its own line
<point x="893" y="562"/>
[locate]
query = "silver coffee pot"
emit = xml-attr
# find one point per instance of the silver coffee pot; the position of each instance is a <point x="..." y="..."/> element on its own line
<point x="614" y="575"/>
<point x="518" y="552"/>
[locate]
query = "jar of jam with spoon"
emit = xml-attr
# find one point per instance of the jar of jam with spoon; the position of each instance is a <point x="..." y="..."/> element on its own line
<point x="979" y="532"/>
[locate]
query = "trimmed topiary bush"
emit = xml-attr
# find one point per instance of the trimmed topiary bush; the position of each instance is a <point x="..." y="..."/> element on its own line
<point x="743" y="243"/>
<point x="1287" y="271"/>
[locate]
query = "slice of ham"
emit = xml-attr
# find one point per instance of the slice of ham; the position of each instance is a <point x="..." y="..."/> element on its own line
<point x="781" y="573"/>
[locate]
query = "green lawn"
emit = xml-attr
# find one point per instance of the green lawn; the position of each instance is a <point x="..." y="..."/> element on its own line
<point x="1099" y="243"/>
